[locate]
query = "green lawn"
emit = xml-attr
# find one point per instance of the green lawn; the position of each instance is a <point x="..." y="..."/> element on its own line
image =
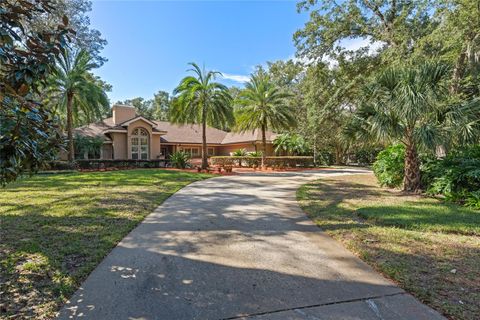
<point x="430" y="248"/>
<point x="56" y="228"/>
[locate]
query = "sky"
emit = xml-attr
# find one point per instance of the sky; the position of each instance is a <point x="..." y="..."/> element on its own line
<point x="150" y="43"/>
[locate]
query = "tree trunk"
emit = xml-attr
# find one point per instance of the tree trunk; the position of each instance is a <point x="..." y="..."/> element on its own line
<point x="71" y="150"/>
<point x="458" y="72"/>
<point x="411" y="180"/>
<point x="204" y="140"/>
<point x="338" y="156"/>
<point x="264" y="146"/>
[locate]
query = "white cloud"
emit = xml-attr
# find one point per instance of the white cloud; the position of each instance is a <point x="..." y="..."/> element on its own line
<point x="236" y="77"/>
<point x="354" y="44"/>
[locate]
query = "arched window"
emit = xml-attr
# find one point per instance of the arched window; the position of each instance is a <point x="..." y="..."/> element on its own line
<point x="139" y="142"/>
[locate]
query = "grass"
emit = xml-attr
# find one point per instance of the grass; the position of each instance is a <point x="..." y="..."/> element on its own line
<point x="55" y="229"/>
<point x="430" y="248"/>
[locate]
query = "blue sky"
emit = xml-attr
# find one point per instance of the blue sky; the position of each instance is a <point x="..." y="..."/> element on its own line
<point x="151" y="42"/>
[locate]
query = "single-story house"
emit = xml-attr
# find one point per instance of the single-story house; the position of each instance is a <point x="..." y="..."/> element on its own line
<point x="127" y="135"/>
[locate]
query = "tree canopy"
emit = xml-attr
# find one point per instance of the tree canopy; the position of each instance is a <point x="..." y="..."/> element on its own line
<point x="202" y="100"/>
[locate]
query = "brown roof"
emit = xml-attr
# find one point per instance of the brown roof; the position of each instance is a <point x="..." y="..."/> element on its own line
<point x="190" y="133"/>
<point x="236" y="137"/>
<point x="95" y="129"/>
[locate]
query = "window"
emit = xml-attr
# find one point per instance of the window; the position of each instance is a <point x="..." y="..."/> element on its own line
<point x="192" y="151"/>
<point x="210" y="151"/>
<point x="139" y="144"/>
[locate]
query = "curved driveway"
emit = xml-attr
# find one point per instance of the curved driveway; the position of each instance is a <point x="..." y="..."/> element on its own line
<point x="237" y="247"/>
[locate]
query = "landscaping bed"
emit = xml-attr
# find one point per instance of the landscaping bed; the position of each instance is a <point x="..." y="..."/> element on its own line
<point x="429" y="247"/>
<point x="56" y="228"/>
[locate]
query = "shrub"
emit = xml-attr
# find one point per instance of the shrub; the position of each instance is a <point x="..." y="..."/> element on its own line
<point x="473" y="199"/>
<point x="290" y="161"/>
<point x="230" y="161"/>
<point x="180" y="159"/>
<point x="255" y="154"/>
<point x="239" y="153"/>
<point x="291" y="143"/>
<point x="59" y="165"/>
<point x="254" y="159"/>
<point x="325" y="158"/>
<point x="275" y="162"/>
<point x="389" y="166"/>
<point x="102" y="164"/>
<point x="365" y="155"/>
<point x="456" y="177"/>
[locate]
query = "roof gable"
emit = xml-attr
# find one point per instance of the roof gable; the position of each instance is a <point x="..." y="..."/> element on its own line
<point x="137" y="118"/>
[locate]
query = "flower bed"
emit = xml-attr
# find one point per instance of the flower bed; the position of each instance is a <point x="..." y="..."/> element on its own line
<point x="272" y="162"/>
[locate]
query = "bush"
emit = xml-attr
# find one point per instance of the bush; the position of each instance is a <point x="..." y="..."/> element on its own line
<point x="231" y="161"/>
<point x="365" y="155"/>
<point x="288" y="162"/>
<point x="59" y="165"/>
<point x="239" y="153"/>
<point x="456" y="177"/>
<point x="180" y="160"/>
<point x="389" y="166"/>
<point x="104" y="164"/>
<point x="325" y="158"/>
<point x="274" y="162"/>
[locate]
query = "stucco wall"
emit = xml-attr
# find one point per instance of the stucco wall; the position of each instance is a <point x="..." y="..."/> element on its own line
<point x="106" y="151"/>
<point x="122" y="113"/>
<point x="119" y="145"/>
<point x="250" y="147"/>
<point x="140" y="124"/>
<point x="226" y="150"/>
<point x="155" y="146"/>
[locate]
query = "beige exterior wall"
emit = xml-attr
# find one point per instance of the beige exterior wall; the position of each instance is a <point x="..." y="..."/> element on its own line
<point x="250" y="147"/>
<point x="122" y="113"/>
<point x="227" y="149"/>
<point x="139" y="124"/>
<point x="106" y="153"/>
<point x="119" y="145"/>
<point x="155" y="147"/>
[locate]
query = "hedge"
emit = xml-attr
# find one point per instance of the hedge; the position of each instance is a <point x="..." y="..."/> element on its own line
<point x="59" y="165"/>
<point x="275" y="162"/>
<point x="121" y="164"/>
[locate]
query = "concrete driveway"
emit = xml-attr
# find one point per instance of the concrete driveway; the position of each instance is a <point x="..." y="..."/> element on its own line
<point x="238" y="247"/>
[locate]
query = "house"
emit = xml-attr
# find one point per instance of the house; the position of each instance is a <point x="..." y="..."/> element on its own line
<point x="127" y="135"/>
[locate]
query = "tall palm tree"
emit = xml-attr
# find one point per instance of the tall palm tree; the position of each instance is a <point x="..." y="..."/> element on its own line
<point x="76" y="91"/>
<point x="262" y="105"/>
<point x="408" y="105"/>
<point x="199" y="99"/>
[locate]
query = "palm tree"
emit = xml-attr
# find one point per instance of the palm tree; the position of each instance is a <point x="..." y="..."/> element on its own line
<point x="407" y="104"/>
<point x="76" y="91"/>
<point x="199" y="99"/>
<point x="262" y="105"/>
<point x="291" y="144"/>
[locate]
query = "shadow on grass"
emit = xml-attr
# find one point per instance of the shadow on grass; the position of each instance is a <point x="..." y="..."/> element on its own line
<point x="362" y="216"/>
<point x="55" y="229"/>
<point x="423" y="215"/>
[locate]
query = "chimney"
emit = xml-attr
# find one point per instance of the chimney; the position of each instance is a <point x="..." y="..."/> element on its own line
<point x="122" y="113"/>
